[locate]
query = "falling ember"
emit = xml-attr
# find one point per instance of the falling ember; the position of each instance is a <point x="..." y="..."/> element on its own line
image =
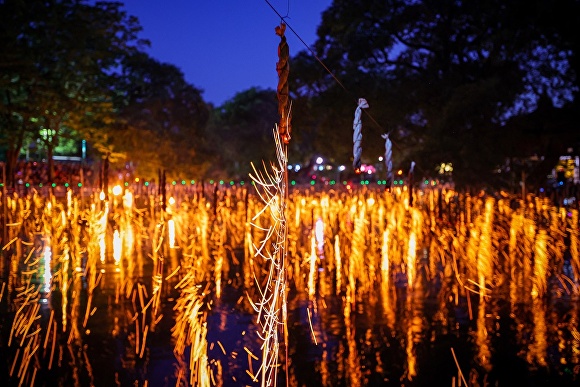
<point x="385" y="280"/>
<point x="117" y="247"/>
<point x="312" y="271"/>
<point x="338" y="264"/>
<point x="411" y="259"/>
<point x="540" y="264"/>
<point x="319" y="232"/>
<point x="484" y="254"/>
<point x="383" y="237"/>
<point x="171" y="233"/>
<point x="128" y="200"/>
<point x="47" y="255"/>
<point x="538" y="348"/>
<point x="385" y="257"/>
<point x="516" y="281"/>
<point x="271" y="308"/>
<point x="481" y="336"/>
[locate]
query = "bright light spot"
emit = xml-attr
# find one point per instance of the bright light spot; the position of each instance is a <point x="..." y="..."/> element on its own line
<point x="47" y="272"/>
<point x="171" y="232"/>
<point x="341" y="168"/>
<point x="117" y="247"/>
<point x="171" y="201"/>
<point x="319" y="231"/>
<point x="128" y="200"/>
<point x="319" y="160"/>
<point x="380" y="158"/>
<point x="297" y="167"/>
<point x="117" y="190"/>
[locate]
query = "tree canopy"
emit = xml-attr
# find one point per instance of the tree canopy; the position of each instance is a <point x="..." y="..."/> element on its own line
<point x="241" y="129"/>
<point x="445" y="78"/>
<point x="74" y="69"/>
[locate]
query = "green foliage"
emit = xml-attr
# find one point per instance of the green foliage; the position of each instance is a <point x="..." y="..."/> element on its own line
<point x="161" y="120"/>
<point x="75" y="70"/>
<point x="241" y="131"/>
<point x="443" y="77"/>
<point x="60" y="57"/>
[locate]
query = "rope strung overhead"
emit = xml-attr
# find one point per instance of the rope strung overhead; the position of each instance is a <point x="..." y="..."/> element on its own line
<point x="283" y="69"/>
<point x="357" y="134"/>
<point x="388" y="158"/>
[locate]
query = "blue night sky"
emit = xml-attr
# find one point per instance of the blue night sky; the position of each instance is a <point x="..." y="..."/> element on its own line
<point x="225" y="46"/>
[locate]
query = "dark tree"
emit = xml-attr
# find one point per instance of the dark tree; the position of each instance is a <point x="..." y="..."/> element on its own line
<point x="241" y="132"/>
<point x="444" y="77"/>
<point x="160" y="122"/>
<point x="57" y="63"/>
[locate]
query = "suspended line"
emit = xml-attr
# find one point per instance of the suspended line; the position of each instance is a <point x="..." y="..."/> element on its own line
<point x="306" y="45"/>
<point x="328" y="70"/>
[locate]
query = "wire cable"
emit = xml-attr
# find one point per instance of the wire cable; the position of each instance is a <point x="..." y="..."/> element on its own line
<point x="283" y="18"/>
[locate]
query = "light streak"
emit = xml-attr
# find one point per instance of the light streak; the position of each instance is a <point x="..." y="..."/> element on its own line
<point x="117" y="247"/>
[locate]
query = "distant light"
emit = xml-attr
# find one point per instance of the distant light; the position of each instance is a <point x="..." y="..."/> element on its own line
<point x="319" y="160"/>
<point x="312" y="182"/>
<point x="192" y="182"/>
<point x="221" y="182"/>
<point x="117" y="190"/>
<point x="173" y="182"/>
<point x="293" y="182"/>
<point x="171" y="201"/>
<point x="102" y="195"/>
<point x="80" y="184"/>
<point x="231" y="182"/>
<point x="136" y="180"/>
<point x="380" y="158"/>
<point x="297" y="167"/>
<point x="146" y="184"/>
<point x="182" y="182"/>
<point x="126" y="184"/>
<point x="320" y="168"/>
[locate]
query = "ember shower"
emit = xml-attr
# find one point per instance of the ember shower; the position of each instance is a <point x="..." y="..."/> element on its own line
<point x="454" y="290"/>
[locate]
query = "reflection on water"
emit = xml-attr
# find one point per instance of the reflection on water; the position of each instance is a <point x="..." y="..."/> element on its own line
<point x="455" y="290"/>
